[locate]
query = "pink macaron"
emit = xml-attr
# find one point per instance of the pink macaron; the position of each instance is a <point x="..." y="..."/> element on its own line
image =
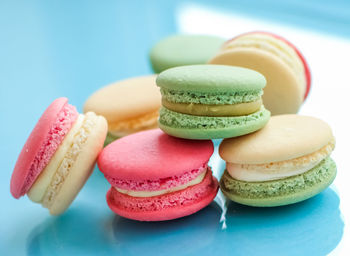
<point x="157" y="177"/>
<point x="58" y="156"/>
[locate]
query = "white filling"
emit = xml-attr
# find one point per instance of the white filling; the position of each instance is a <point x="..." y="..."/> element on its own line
<point x="135" y="193"/>
<point x="240" y="173"/>
<point x="278" y="170"/>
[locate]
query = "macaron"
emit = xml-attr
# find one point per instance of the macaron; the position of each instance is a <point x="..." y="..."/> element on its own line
<point x="287" y="161"/>
<point x="284" y="67"/>
<point x="181" y="50"/>
<point x="211" y="101"/>
<point x="157" y="177"/>
<point x="58" y="156"/>
<point x="129" y="106"/>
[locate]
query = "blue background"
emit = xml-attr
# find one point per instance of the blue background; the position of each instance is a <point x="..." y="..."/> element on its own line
<point x="50" y="49"/>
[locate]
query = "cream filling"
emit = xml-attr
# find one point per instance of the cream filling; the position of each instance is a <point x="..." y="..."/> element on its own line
<point x="123" y="128"/>
<point x="278" y="170"/>
<point x="239" y="109"/>
<point x="38" y="189"/>
<point x="52" y="178"/>
<point x="274" y="46"/>
<point x="135" y="193"/>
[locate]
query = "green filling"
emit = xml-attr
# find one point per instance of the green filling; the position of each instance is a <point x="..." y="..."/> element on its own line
<point x="109" y="139"/>
<point x="259" y="190"/>
<point x="210" y="98"/>
<point x="174" y="119"/>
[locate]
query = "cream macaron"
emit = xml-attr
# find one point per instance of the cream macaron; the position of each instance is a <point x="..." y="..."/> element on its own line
<point x="285" y="162"/>
<point x="284" y="67"/>
<point x="129" y="105"/>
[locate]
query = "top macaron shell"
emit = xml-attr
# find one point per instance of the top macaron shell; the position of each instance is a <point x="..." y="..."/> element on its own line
<point x="284" y="137"/>
<point x="126" y="99"/>
<point x="151" y="155"/>
<point x="211" y="79"/>
<point x="32" y="146"/>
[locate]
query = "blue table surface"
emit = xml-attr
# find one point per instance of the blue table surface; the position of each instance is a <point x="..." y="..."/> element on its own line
<point x="50" y="49"/>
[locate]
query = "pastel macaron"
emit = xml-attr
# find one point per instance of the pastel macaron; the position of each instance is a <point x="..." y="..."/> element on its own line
<point x="157" y="177"/>
<point x="129" y="105"/>
<point x="284" y="67"/>
<point x="211" y="101"/>
<point x="58" y="156"/>
<point x="181" y="50"/>
<point x="287" y="161"/>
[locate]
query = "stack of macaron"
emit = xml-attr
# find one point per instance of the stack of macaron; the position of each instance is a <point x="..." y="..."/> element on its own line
<point x="203" y="92"/>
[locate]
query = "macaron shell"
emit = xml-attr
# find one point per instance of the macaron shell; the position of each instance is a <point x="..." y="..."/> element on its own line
<point x="296" y="194"/>
<point x="219" y="127"/>
<point x="124" y="100"/>
<point x="284" y="137"/>
<point x="169" y="213"/>
<point x="33" y="145"/>
<point x="211" y="79"/>
<point x="303" y="60"/>
<point x="278" y="48"/>
<point x="180" y="50"/>
<point x="161" y="155"/>
<point x="82" y="168"/>
<point x="283" y="93"/>
<point x="298" y="52"/>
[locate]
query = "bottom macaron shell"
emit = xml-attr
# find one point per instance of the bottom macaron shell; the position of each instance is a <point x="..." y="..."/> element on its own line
<point x="165" y="207"/>
<point x="204" y="127"/>
<point x="280" y="192"/>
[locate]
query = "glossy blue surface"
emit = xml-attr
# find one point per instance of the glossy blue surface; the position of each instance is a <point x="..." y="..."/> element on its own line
<point x="291" y="230"/>
<point x="50" y="49"/>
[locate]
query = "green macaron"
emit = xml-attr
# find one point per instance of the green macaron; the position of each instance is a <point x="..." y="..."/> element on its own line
<point x="180" y="50"/>
<point x="287" y="161"/>
<point x="283" y="191"/>
<point x="211" y="101"/>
